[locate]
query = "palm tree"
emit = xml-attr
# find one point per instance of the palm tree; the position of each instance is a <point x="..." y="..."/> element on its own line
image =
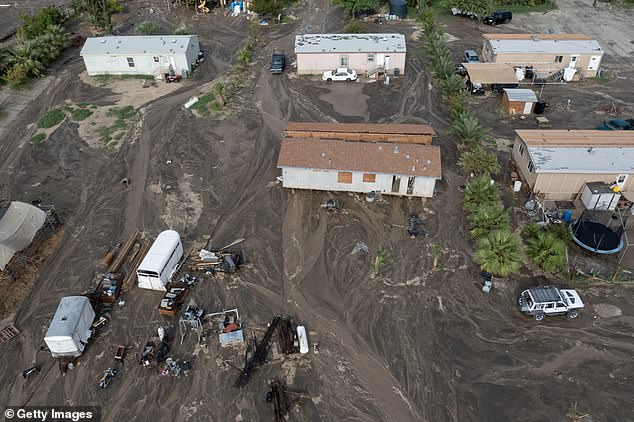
<point x="219" y="90"/>
<point x="479" y="161"/>
<point x="29" y="57"/>
<point x="244" y="55"/>
<point x="487" y="218"/>
<point x="467" y="127"/>
<point x="58" y="35"/>
<point x="548" y="251"/>
<point x="479" y="191"/>
<point x="452" y="85"/>
<point x="499" y="253"/>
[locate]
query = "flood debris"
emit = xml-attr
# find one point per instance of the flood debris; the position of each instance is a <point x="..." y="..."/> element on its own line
<point x="282" y="399"/>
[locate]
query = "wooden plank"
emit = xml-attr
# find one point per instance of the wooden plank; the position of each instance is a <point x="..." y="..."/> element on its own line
<point x="123" y="252"/>
<point x="130" y="280"/>
<point x="8" y="333"/>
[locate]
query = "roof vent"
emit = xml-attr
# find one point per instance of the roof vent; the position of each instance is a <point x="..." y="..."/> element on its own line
<point x="407" y="156"/>
<point x="591" y="150"/>
<point x="119" y="42"/>
<point x="323" y="154"/>
<point x="173" y="40"/>
<point x="428" y="161"/>
<point x="535" y="38"/>
<point x="413" y="168"/>
<point x="395" y="149"/>
<point x="103" y="41"/>
<point x="380" y="148"/>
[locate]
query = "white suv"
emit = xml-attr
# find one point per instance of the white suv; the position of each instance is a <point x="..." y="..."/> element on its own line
<point x="550" y="300"/>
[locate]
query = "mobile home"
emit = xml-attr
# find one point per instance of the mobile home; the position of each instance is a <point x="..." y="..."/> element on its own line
<point x="574" y="56"/>
<point x="69" y="330"/>
<point x="161" y="261"/>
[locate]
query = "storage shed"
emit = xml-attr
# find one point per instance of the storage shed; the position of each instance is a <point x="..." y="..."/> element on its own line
<point x="70" y="328"/>
<point x="140" y="55"/>
<point x="600" y="196"/>
<point x="365" y="53"/>
<point x="519" y="101"/>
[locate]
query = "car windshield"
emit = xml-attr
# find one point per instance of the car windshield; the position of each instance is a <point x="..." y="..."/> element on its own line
<point x="528" y="299"/>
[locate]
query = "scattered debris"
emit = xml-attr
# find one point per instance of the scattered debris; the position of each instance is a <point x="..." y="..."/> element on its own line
<point x="282" y="399"/>
<point x="487" y="281"/>
<point x="174" y="367"/>
<point x="8" y="333"/>
<point x="108" y="375"/>
<point x="360" y="247"/>
<point x="259" y="356"/>
<point x="154" y="351"/>
<point x="332" y="205"/>
<point x="29" y="371"/>
<point x="192" y="318"/>
<point x="173" y="299"/>
<point x="216" y="261"/>
<point x="413" y="230"/>
<point x="119" y="353"/>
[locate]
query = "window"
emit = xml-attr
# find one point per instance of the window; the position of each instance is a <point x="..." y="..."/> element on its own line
<point x="344" y="177"/>
<point x="558" y="59"/>
<point x="343" y="61"/>
<point x="370" y="57"/>
<point x="531" y="167"/>
<point x="156" y="59"/>
<point x="521" y="149"/>
<point x="130" y="62"/>
<point x="369" y="178"/>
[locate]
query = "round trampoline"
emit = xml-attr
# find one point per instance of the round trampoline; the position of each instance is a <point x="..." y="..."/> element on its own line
<point x="596" y="237"/>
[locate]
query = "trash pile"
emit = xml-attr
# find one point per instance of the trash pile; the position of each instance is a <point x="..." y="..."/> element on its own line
<point x="174" y="367"/>
<point x="215" y="261"/>
<point x="108" y="375"/>
<point x="188" y="279"/>
<point x="332" y="205"/>
<point x="194" y="313"/>
<point x="413" y="230"/>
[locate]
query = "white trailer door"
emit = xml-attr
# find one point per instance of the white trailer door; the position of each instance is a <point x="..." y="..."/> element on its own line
<point x="594" y="63"/>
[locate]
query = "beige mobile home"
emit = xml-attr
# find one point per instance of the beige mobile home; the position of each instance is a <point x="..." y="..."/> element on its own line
<point x="569" y="56"/>
<point x="365" y="53"/>
<point x="557" y="164"/>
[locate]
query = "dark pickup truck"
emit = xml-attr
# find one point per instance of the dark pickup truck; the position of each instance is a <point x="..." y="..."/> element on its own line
<point x="278" y="62"/>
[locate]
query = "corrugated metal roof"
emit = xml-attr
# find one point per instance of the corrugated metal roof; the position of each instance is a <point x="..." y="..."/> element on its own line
<point x="577" y="138"/>
<point x="350" y="43"/>
<point x="375" y="157"/>
<point x="540" y="44"/>
<point x="393" y="128"/>
<point x="523" y="95"/>
<point x="490" y="73"/>
<point x="158" y="44"/>
<point x="582" y="160"/>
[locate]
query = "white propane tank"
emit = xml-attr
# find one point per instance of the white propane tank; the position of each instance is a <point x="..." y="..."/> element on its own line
<point x="161" y="333"/>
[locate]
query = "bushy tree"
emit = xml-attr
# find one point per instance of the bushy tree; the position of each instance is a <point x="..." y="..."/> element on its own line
<point x="148" y="27"/>
<point x="487" y="218"/>
<point x="354" y="7"/>
<point x="34" y="26"/>
<point x="452" y="85"/>
<point x="479" y="191"/>
<point x="548" y="251"/>
<point x="480" y="8"/>
<point x="467" y="127"/>
<point x="499" y="253"/>
<point x="267" y="7"/>
<point x="99" y="11"/>
<point x="479" y="161"/>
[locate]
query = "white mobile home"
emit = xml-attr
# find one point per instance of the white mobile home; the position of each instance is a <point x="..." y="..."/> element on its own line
<point x="338" y="165"/>
<point x="69" y="330"/>
<point x="161" y="261"/>
<point x="140" y="55"/>
<point x="317" y="53"/>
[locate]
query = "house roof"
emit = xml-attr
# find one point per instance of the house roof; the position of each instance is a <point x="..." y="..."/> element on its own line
<point x="577" y="138"/>
<point x="157" y="44"/>
<point x="523" y="95"/>
<point x="543" y="43"/>
<point x="491" y="73"/>
<point x="374" y="157"/>
<point x="579" y="151"/>
<point x="407" y="129"/>
<point x="350" y="43"/>
<point x="18" y="226"/>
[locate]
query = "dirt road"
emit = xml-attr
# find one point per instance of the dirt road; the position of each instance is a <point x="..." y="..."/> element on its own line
<point x="419" y="341"/>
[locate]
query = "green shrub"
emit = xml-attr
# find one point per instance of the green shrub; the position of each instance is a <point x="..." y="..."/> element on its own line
<point x="148" y="28"/>
<point x="548" y="251"/>
<point x="51" y="118"/>
<point x="353" y="27"/>
<point x="181" y="30"/>
<point x="38" y="138"/>
<point x="499" y="253"/>
<point x="123" y="113"/>
<point x="80" y="114"/>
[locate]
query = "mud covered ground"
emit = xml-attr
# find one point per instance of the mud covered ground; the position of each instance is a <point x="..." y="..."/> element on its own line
<point x="417" y="342"/>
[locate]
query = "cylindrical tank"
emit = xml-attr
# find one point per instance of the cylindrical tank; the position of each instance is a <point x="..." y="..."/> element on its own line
<point x="398" y="8"/>
<point x="567" y="216"/>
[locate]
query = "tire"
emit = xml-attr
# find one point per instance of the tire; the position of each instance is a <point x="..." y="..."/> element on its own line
<point x="539" y="316"/>
<point x="494" y="23"/>
<point x="348" y="80"/>
<point x="329" y="80"/>
<point x="574" y="314"/>
<point x="520" y="301"/>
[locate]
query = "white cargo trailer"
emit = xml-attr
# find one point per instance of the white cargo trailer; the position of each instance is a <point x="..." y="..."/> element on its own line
<point x="70" y="328"/>
<point x="161" y="261"/>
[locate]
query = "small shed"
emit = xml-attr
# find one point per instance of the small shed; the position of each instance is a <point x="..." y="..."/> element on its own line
<point x="519" y="101"/>
<point x="69" y="330"/>
<point x="600" y="196"/>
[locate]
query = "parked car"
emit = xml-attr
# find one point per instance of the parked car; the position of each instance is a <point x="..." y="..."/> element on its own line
<point x="617" y="124"/>
<point x="550" y="300"/>
<point x="498" y="17"/>
<point x="278" y="62"/>
<point x="470" y="56"/>
<point x="340" y="74"/>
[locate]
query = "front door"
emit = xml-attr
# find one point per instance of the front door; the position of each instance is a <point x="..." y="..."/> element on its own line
<point x="573" y="61"/>
<point x="386" y="63"/>
<point x="594" y="63"/>
<point x="396" y="184"/>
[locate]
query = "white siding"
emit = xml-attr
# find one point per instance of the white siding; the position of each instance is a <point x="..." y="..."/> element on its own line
<point x="301" y="178"/>
<point x="316" y="63"/>
<point x="144" y="64"/>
